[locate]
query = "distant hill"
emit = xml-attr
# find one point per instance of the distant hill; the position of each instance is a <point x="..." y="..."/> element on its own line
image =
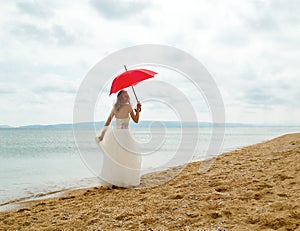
<point x="48" y="126"/>
<point x="5" y="126"/>
<point x="141" y="124"/>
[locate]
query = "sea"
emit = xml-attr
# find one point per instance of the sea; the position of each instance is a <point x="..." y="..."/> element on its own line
<point x="40" y="162"/>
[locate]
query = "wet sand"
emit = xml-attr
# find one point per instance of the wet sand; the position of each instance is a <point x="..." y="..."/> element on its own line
<point x="254" y="188"/>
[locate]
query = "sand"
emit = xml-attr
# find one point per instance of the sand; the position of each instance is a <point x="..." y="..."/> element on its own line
<point x="254" y="188"/>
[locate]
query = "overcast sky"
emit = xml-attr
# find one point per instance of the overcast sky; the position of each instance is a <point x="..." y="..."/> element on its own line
<point x="250" y="47"/>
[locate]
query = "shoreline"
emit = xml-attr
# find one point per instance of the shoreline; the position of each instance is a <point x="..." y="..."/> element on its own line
<point x="20" y="203"/>
<point x="33" y="187"/>
<point x="251" y="188"/>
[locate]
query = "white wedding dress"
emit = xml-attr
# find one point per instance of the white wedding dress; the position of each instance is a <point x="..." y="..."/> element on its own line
<point x="121" y="160"/>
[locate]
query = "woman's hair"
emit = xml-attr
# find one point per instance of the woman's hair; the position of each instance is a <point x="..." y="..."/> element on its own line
<point x="119" y="102"/>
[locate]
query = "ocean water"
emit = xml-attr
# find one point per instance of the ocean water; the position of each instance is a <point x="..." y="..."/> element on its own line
<point x="40" y="161"/>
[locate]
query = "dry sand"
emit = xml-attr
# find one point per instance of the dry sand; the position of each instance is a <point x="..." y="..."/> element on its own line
<point x="254" y="188"/>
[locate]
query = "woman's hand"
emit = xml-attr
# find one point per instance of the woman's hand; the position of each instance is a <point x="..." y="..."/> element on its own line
<point x="139" y="107"/>
<point x="100" y="138"/>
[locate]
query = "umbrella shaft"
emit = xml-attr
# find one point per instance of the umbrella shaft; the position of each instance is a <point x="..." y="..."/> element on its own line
<point x="134" y="94"/>
<point x="132" y="87"/>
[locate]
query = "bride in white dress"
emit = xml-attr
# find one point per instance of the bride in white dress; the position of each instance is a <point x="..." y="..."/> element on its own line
<point x="121" y="160"/>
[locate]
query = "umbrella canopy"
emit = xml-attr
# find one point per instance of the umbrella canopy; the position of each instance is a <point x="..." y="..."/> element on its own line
<point x="130" y="78"/>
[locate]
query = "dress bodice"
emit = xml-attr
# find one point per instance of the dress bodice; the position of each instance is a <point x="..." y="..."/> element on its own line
<point x="122" y="123"/>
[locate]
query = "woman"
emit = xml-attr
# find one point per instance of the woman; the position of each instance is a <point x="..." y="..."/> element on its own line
<point x="121" y="160"/>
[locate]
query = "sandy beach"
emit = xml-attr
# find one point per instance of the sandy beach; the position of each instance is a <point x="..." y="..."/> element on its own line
<point x="253" y="188"/>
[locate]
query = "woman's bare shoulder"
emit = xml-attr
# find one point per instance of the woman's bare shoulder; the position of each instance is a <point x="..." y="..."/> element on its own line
<point x="129" y="107"/>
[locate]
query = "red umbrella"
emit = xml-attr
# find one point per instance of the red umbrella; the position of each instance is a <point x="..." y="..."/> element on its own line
<point x="130" y="78"/>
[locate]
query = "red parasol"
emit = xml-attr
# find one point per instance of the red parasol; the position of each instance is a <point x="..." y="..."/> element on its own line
<point x="130" y="78"/>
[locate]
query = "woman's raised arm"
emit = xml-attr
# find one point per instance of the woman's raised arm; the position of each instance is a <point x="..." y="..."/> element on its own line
<point x="136" y="116"/>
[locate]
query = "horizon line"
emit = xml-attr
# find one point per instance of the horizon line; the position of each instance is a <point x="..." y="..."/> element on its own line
<point x="173" y="121"/>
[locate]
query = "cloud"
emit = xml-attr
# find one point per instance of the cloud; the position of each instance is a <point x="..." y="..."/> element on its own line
<point x="55" y="84"/>
<point x="117" y="9"/>
<point x="6" y="89"/>
<point x="273" y="15"/>
<point x="34" y="8"/>
<point x="18" y="70"/>
<point x="258" y="25"/>
<point x="266" y="88"/>
<point x="260" y="97"/>
<point x="250" y="48"/>
<point x="54" y="34"/>
<point x="233" y="38"/>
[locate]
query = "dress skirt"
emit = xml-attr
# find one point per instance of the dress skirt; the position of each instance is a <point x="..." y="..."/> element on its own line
<point x="121" y="165"/>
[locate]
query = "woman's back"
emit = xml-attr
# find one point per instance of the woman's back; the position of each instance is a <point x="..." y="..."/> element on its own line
<point x="123" y="112"/>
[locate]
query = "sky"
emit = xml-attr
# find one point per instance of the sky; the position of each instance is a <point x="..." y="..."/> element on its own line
<point x="250" y="48"/>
